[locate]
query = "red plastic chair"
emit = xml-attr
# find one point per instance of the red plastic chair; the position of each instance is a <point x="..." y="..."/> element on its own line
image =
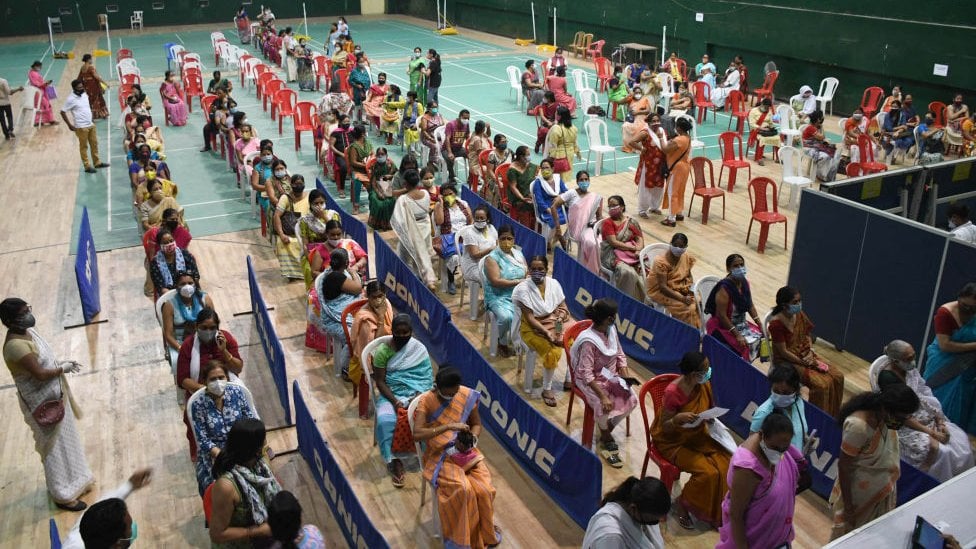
<point x="655" y="386"/>
<point x="131" y="79"/>
<point x="271" y="87"/>
<point x="854" y="170"/>
<point x="344" y="87"/>
<point x="502" y="183"/>
<point x="595" y="50"/>
<point x="703" y="100"/>
<point x="260" y="69"/>
<point x="728" y="142"/>
<point x="124" y="92"/>
<point x="871" y="101"/>
<point x="124" y="53"/>
<point x="758" y="190"/>
<point x="262" y="81"/>
<point x="866" y="158"/>
<point x="208" y="502"/>
<point x="938" y="108"/>
<point x="483" y="168"/>
<point x="604" y="72"/>
<point x="362" y="389"/>
<point x="736" y="105"/>
<point x="707" y="190"/>
<point x="586" y="438"/>
<point x="304" y="120"/>
<point x="193" y="87"/>
<point x="162" y="99"/>
<point x="323" y="69"/>
<point x="284" y="105"/>
<point x="767" y="88"/>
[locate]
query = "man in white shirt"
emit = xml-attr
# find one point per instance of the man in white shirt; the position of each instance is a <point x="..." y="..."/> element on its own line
<point x="107" y="522"/>
<point x="84" y="127"/>
<point x="959" y="224"/>
<point x="721" y="92"/>
<point x="6" y="113"/>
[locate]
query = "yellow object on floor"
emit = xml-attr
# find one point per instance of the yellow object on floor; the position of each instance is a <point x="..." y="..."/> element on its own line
<point x="100" y="53"/>
<point x="447" y="31"/>
<point x="523" y="41"/>
<point x="545" y="48"/>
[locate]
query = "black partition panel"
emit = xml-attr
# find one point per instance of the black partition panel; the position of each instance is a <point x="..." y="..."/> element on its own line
<point x="881" y="190"/>
<point x="960" y="269"/>
<point x="898" y="275"/>
<point x="826" y="253"/>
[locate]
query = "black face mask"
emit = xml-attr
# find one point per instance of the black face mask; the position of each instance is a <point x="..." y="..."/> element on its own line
<point x="171" y="225"/>
<point x="400" y="341"/>
<point x="79" y="92"/>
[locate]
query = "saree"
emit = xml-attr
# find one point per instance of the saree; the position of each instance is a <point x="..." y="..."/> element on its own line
<point x="359" y="82"/>
<point x="543" y="194"/>
<point x="591" y="357"/>
<point x="952" y="377"/>
<point x="243" y="24"/>
<point x="624" y="263"/>
<point x="323" y="249"/>
<point x="414" y="68"/>
<point x="373" y="105"/>
<point x="411" y="222"/>
<point x="674" y="196"/>
<point x="874" y="474"/>
<point x="826" y="387"/>
<point x="580" y="227"/>
<point x="547" y="305"/>
<point x="380" y="208"/>
<point x="769" y="515"/>
<point x="648" y="177"/>
<point x="511" y="266"/>
<point x="173" y="103"/>
<point x="679" y="280"/>
<point x="408" y="374"/>
<point x="154" y="214"/>
<point x="739" y="305"/>
<point x="312" y="230"/>
<point x="304" y="69"/>
<point x="290" y="253"/>
<point x="365" y="324"/>
<point x="533" y="96"/>
<point x="62" y="452"/>
<point x="557" y="85"/>
<point x="465" y="499"/>
<point x="93" y="87"/>
<point x="45" y="115"/>
<point x="693" y="451"/>
<point x="521" y="211"/>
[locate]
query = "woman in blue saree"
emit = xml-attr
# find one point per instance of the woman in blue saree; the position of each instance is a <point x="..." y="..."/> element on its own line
<point x="338" y="286"/>
<point x="950" y="367"/>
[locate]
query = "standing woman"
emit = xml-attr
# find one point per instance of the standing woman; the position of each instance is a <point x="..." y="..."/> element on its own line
<point x="243" y="24"/>
<point x="729" y="302"/>
<point x="429" y="122"/>
<point x="357" y="154"/>
<point x="950" y="359"/>
<point x="869" y="466"/>
<point x="288" y="60"/>
<point x="305" y="69"/>
<point x="381" y="197"/>
<point x="629" y="516"/>
<point x="291" y="207"/>
<point x="622" y="242"/>
<point x="790" y="329"/>
<point x="669" y="282"/>
<point x="649" y="178"/>
<point x="360" y="82"/>
<point x="173" y="102"/>
<point x="93" y="87"/>
<point x="679" y="167"/>
<point x="762" y="480"/>
<point x="479" y="141"/>
<point x="415" y="70"/>
<point x="433" y="73"/>
<point x="520" y="175"/>
<point x="411" y="223"/>
<point x="39" y="379"/>
<point x="44" y="114"/>
<point x="561" y="143"/>
<point x="585" y="210"/>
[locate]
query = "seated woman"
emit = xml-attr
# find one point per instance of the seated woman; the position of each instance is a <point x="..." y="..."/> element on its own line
<point x="822" y="152"/>
<point x="180" y="313"/>
<point x="764" y="132"/>
<point x="622" y="242"/>
<point x="504" y="269"/>
<point x="521" y="173"/>
<point x="669" y="282"/>
<point x="955" y="113"/>
<point x="313" y="229"/>
<point x="169" y="261"/>
<point x="243" y="489"/>
<point x="896" y="134"/>
<point x="381" y="197"/>
<point x="618" y="94"/>
<point x="451" y="214"/>
<point x="729" y="302"/>
<point x="499" y="155"/>
<point x="411" y="223"/>
<point x="683" y="439"/>
<point x="476" y="241"/>
<point x="212" y="416"/>
<point x="950" y="358"/>
<point x="928" y="440"/>
<point x="372" y="320"/>
<point x="337" y="287"/>
<point x="462" y="479"/>
<point x="533" y="87"/>
<point x="546" y="114"/>
<point x="285" y="519"/>
<point x="173" y="101"/>
<point x="291" y="207"/>
<point x="358" y="154"/>
<point x="207" y="343"/>
<point x="151" y="210"/>
<point x="247" y="144"/>
<point x="539" y="322"/>
<point x="784" y="398"/>
<point x="585" y="210"/>
<point x="804" y="104"/>
<point x="557" y="85"/>
<point x="968" y="129"/>
<point x="597" y="351"/>
<point x="401" y="371"/>
<point x="790" y="329"/>
<point x="546" y="187"/>
<point x="319" y="254"/>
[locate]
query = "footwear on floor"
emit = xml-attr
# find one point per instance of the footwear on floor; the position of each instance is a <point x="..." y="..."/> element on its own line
<point x="679" y="217"/>
<point x="75" y="506"/>
<point x="668" y="223"/>
<point x="102" y="165"/>
<point x="89" y="169"/>
<point x="549" y="399"/>
<point x="612" y="459"/>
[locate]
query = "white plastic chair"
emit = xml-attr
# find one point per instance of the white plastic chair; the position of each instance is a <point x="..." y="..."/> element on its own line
<point x="248" y="71"/>
<point x="202" y="391"/>
<point x="174" y="53"/>
<point x="192" y="64"/>
<point x="214" y="37"/>
<point x="581" y="81"/>
<point x="170" y="354"/>
<point x="666" y="81"/>
<point x="491" y="325"/>
<point x="192" y="57"/>
<point x="589" y="98"/>
<point x="29" y="107"/>
<point x="540" y="227"/>
<point x="126" y="66"/>
<point x="135" y="20"/>
<point x="411" y="409"/>
<point x="702" y="289"/>
<point x="226" y="53"/>
<point x="695" y="142"/>
<point x="247" y="169"/>
<point x="787" y="124"/>
<point x="474" y="289"/>
<point x="647" y="256"/>
<point x="515" y="81"/>
<point x="596" y="136"/>
<point x="366" y="361"/>
<point x="875" y="370"/>
<point x="790" y="157"/>
<point x="828" y="87"/>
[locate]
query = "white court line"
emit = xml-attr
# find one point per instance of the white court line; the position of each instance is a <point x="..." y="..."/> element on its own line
<point x="468" y="85"/>
<point x="195" y="204"/>
<point x="495" y="78"/>
<point x="247" y="211"/>
<point x="178" y="38"/>
<point x="397" y="45"/>
<point x="427" y="33"/>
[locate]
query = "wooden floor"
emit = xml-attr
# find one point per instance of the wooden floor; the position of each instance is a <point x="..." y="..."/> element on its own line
<point x="126" y="392"/>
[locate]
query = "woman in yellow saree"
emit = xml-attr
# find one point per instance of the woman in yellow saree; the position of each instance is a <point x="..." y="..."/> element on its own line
<point x="669" y="282"/>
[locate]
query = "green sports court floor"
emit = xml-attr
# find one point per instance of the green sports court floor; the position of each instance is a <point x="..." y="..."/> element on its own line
<point x="474" y="77"/>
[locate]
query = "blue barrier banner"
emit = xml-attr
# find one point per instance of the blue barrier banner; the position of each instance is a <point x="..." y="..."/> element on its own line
<point x="273" y="351"/>
<point x="741" y="387"/>
<point x="356" y="527"/>
<point x="86" y="270"/>
<point x="355" y="228"/>
<point x="408" y="294"/>
<point x="649" y="337"/>
<point x="531" y="242"/>
<point x="569" y="473"/>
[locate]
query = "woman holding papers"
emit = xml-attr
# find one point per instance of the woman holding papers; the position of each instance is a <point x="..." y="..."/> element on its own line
<point x="686" y="441"/>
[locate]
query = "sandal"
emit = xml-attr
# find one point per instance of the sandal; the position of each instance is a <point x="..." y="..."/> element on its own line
<point x="549" y="400"/>
<point x="76" y="506"/>
<point x="610" y="445"/>
<point x="612" y="459"/>
<point x="567" y="386"/>
<point x="668" y="223"/>
<point x="643" y="213"/>
<point x="686" y="522"/>
<point x="396" y="472"/>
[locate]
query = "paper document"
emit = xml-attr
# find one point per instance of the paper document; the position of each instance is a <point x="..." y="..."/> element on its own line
<point x="711" y="413"/>
<point x="610" y="376"/>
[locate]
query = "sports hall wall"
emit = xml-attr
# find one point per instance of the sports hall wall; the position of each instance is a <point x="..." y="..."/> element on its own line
<point x="20" y="17"/>
<point x="807" y="40"/>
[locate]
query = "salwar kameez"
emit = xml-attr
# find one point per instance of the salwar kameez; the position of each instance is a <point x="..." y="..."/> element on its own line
<point x="290" y="253"/>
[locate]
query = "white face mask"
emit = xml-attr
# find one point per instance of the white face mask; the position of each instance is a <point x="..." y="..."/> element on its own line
<point x="677" y="251"/>
<point x="480" y="225"/>
<point x="907" y="365"/>
<point x="216" y="387"/>
<point x="187" y="290"/>
<point x="772" y="455"/>
<point x="782" y="401"/>
<point x="335" y="242"/>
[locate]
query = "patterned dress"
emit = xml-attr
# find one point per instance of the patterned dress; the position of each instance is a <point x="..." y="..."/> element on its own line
<point x="210" y="427"/>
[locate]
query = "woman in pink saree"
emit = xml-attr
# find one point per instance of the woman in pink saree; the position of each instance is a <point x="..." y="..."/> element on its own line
<point x="45" y="115"/>
<point x="585" y="210"/>
<point x="557" y="85"/>
<point x="173" y="101"/>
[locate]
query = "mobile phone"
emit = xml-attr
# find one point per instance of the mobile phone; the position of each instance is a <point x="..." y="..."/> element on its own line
<point x="926" y="536"/>
<point x="632" y="381"/>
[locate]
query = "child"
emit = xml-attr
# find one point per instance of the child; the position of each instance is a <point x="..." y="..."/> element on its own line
<point x="464" y="453"/>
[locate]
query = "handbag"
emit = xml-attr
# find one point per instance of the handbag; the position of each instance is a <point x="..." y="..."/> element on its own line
<point x="383" y="188"/>
<point x="288" y="221"/>
<point x="768" y="132"/>
<point x="448" y="245"/>
<point x="764" y="350"/>
<point x="51" y="92"/>
<point x="561" y="165"/>
<point x="50" y="412"/>
<point x="666" y="170"/>
<point x="402" y="435"/>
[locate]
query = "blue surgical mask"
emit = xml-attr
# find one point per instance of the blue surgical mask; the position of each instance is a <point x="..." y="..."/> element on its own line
<point x="782" y="401"/>
<point x="133" y="534"/>
<point x="677" y="251"/>
<point x="708" y="376"/>
<point x="739" y="272"/>
<point x="794" y="308"/>
<point x="583" y="184"/>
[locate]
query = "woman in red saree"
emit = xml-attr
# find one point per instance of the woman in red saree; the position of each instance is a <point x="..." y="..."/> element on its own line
<point x="93" y="87"/>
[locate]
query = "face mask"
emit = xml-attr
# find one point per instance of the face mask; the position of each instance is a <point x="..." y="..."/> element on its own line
<point x="187" y="290"/>
<point x="794" y="309"/>
<point x="79" y="92"/>
<point x="216" y="387"/>
<point x="267" y="158"/>
<point x="537" y="276"/>
<point x="245" y="135"/>
<point x="705" y="378"/>
<point x="502" y="146"/>
<point x="280" y="173"/>
<point x="382" y="81"/>
<point x="428" y="183"/>
<point x="400" y="341"/>
<point x="547" y="173"/>
<point x="433" y="110"/>
<point x="381" y="159"/>
<point x="169" y="248"/>
<point x="334" y="242"/>
<point x="782" y="401"/>
<point x="26" y="321"/>
<point x="677" y="251"/>
<point x="584" y="185"/>
<point x="298" y="189"/>
<point x="171" y="224"/>
<point x="207" y="336"/>
<point x="344" y="126"/>
<point x="772" y="455"/>
<point x="952" y="225"/>
<point x="739" y="272"/>
<point x="133" y="534"/>
<point x="506" y="245"/>
<point x="616" y="211"/>
<point x="362" y="67"/>
<point x="906" y="365"/>
<point x="156" y="195"/>
<point x="637" y="96"/>
<point x="464" y="123"/>
<point x="480" y="225"/>
<point x="449" y="200"/>
<point x="966" y="309"/>
<point x="954" y="102"/>
<point x="444" y="397"/>
<point x="416" y="55"/>
<point x="858" y="116"/>
<point x="151" y="176"/>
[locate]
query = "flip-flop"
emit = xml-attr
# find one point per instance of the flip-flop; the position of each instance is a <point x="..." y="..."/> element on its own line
<point x="610" y="446"/>
<point x="685" y="522"/>
<point x="396" y="476"/>
<point x="612" y="459"/>
<point x="549" y="400"/>
<point x="567" y="386"/>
